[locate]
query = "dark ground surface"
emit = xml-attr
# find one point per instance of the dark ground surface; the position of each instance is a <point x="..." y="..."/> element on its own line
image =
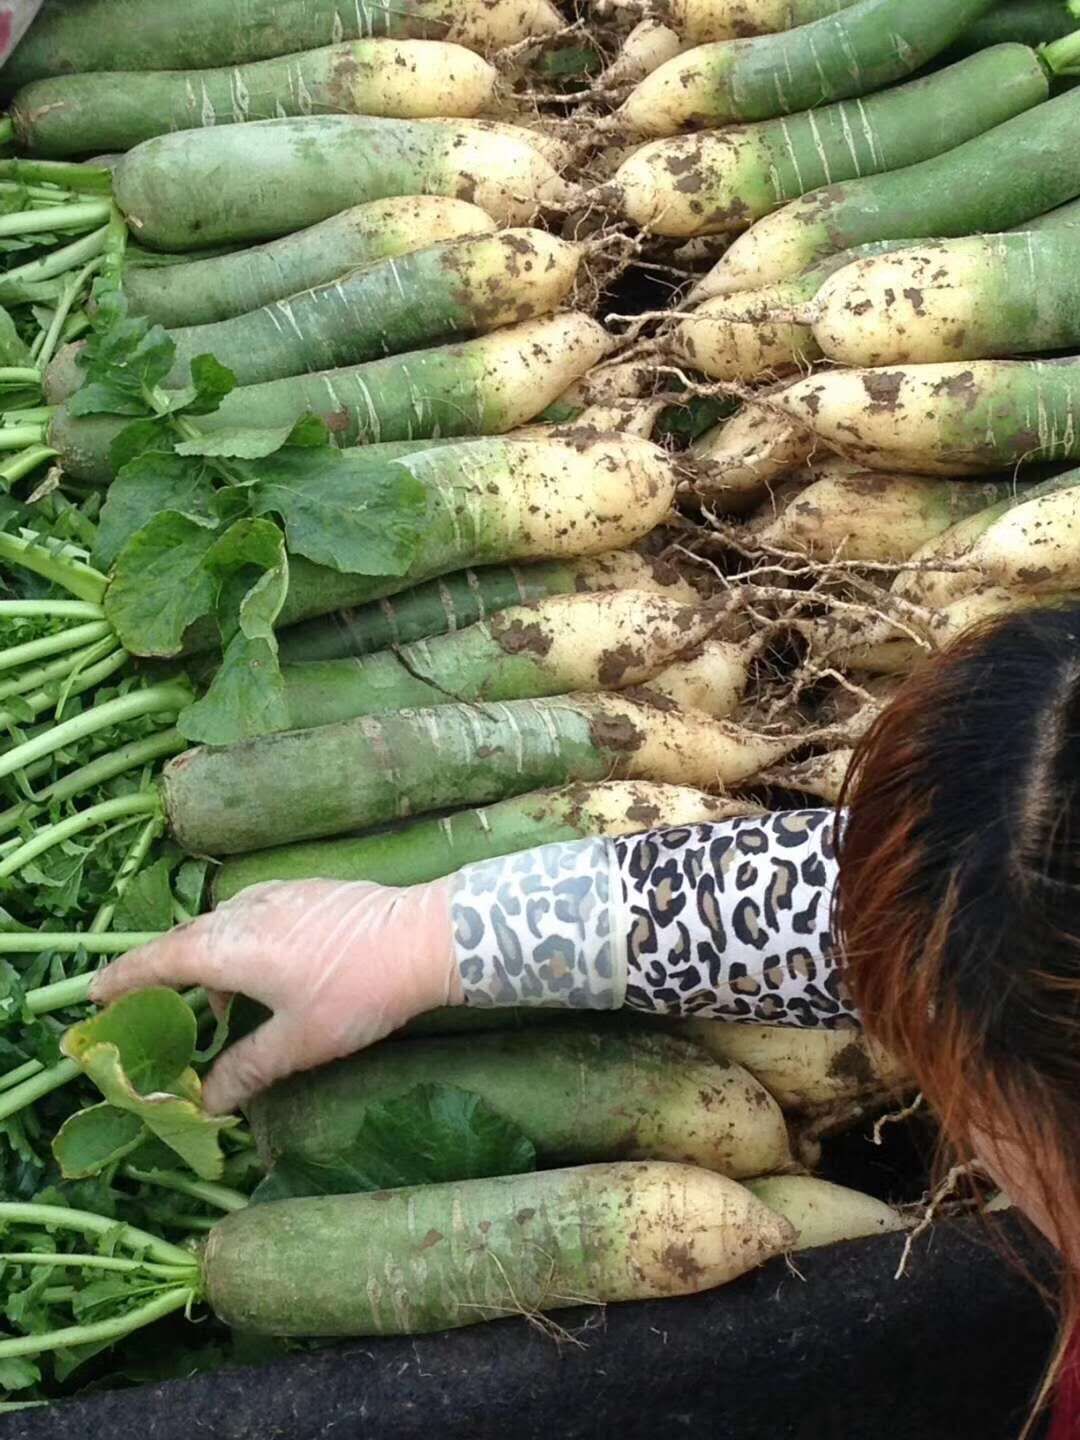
<point x="839" y="1351"/>
<point x="842" y="1351"/>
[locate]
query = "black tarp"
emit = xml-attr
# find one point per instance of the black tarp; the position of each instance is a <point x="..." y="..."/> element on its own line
<point x="836" y="1350"/>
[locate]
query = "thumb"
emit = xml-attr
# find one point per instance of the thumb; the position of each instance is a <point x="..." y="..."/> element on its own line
<point x="268" y="1054"/>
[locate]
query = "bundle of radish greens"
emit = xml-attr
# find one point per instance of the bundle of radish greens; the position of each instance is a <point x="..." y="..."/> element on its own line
<point x="430" y="433"/>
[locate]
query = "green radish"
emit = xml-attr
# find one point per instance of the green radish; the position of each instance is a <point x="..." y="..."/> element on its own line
<point x="535" y="742"/>
<point x="723" y="180"/>
<point x="422" y="1258"/>
<point x="748" y="333"/>
<point x="934" y="589"/>
<point x="481" y="387"/>
<point x="428" y="849"/>
<point x="994" y="182"/>
<point x="1068" y="214"/>
<point x="110" y="110"/>
<point x="579" y="1095"/>
<point x="565" y="643"/>
<point x="497" y="500"/>
<point x="712" y="678"/>
<point x="74" y="36"/>
<point x="306" y="784"/>
<point x="607" y="384"/>
<point x="700" y="21"/>
<point x="1035" y="546"/>
<point x="944" y="419"/>
<point x="863" y="515"/>
<point x="802" y="1069"/>
<point x="455" y="601"/>
<point x="627" y="417"/>
<point x="965" y="299"/>
<point x="558" y="151"/>
<point x="735" y="462"/>
<point x="863" y="47"/>
<point x="1031" y="22"/>
<point x="239" y="183"/>
<point x="735" y="337"/>
<point x="465" y="286"/>
<point x="825" y="1214"/>
<point x="436" y="1257"/>
<point x="200" y="292"/>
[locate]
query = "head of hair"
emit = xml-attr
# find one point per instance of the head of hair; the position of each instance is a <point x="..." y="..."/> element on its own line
<point x="958" y="902"/>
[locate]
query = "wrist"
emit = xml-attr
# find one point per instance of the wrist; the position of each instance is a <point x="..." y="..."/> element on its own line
<point x="431" y="953"/>
<point x="541" y="927"/>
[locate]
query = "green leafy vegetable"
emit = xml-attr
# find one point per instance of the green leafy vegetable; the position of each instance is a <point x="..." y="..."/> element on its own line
<point x="147" y="485"/>
<point x="153" y="1033"/>
<point x="236" y="444"/>
<point x="430" y="1134"/>
<point x="186" y="501"/>
<point x="146" y="904"/>
<point x="337" y="511"/>
<point x="92" y="1139"/>
<point x="123" y="359"/>
<point x="160" y="585"/>
<point x="138" y="1053"/>
<point x="247" y="696"/>
<point x="18" y="1374"/>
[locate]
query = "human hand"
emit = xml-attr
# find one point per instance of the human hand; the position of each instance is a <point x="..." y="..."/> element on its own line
<point x="341" y="965"/>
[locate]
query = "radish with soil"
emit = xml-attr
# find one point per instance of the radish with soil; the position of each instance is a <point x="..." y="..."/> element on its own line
<point x="427" y="849"/>
<point x="524" y="1243"/>
<point x="111" y="110"/>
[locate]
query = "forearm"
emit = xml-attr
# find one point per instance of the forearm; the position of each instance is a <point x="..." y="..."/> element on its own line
<point x="728" y="920"/>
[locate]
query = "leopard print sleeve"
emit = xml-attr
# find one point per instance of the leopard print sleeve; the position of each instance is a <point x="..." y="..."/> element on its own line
<point x="728" y="920"/>
<point x="731" y="921"/>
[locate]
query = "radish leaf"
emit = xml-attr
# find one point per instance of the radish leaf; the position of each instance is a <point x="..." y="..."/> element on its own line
<point x="144" y="488"/>
<point x="236" y="444"/>
<point x="427" y="1135"/>
<point x="160" y="585"/>
<point x="91" y="1139"/>
<point x="138" y="1053"/>
<point x="360" y="519"/>
<point x="152" y="1031"/>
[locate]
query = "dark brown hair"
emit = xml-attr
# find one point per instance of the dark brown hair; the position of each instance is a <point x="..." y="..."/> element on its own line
<point x="958" y="902"/>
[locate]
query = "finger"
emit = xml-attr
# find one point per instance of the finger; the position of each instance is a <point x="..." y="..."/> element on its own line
<point x="220" y="1002"/>
<point x="192" y="954"/>
<point x="266" y="1055"/>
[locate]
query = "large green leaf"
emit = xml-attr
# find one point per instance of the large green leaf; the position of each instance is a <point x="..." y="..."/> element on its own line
<point x="13" y="348"/>
<point x="236" y="443"/>
<point x="125" y="358"/>
<point x="247" y="696"/>
<point x="160" y="585"/>
<point x="91" y="1139"/>
<point x="358" y="518"/>
<point x="154" y="1034"/>
<point x="177" y="1120"/>
<point x="429" y="1134"/>
<point x="147" y="487"/>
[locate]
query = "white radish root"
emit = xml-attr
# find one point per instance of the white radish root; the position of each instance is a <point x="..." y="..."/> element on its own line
<point x="825" y="1214"/>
